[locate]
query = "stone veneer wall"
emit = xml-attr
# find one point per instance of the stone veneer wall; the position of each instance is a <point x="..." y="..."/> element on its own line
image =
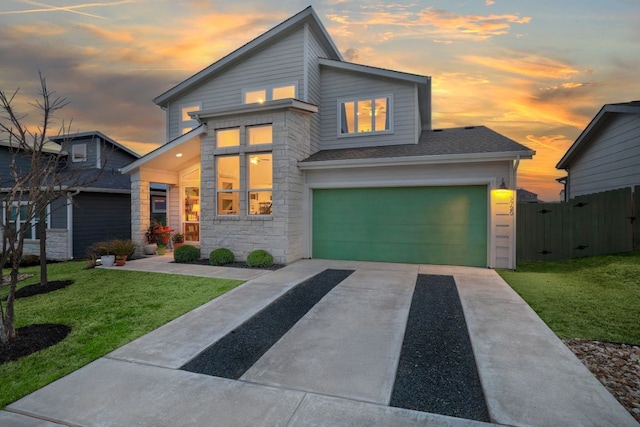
<point x="140" y="211"/>
<point x="279" y="233"/>
<point x="57" y="245"/>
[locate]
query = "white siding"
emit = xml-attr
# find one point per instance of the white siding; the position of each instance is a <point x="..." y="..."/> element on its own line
<point x="339" y="84"/>
<point x="611" y="161"/>
<point x="314" y="91"/>
<point x="280" y="62"/>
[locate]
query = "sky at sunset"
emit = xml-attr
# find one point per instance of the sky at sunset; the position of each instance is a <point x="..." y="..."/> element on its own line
<point x="535" y="71"/>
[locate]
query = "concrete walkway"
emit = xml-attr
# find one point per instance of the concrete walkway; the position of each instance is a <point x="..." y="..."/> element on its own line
<point x="335" y="367"/>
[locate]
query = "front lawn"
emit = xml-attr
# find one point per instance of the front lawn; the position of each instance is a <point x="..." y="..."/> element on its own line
<point x="594" y="298"/>
<point x="105" y="309"/>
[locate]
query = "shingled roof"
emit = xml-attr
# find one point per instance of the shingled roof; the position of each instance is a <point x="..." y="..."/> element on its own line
<point x="453" y="141"/>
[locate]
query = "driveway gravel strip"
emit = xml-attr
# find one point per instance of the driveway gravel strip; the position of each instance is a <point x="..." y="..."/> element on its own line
<point x="232" y="355"/>
<point x="437" y="372"/>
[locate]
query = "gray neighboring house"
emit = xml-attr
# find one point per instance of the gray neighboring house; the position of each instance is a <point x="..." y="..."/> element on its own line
<point x="284" y="146"/>
<point x="85" y="215"/>
<point x="606" y="155"/>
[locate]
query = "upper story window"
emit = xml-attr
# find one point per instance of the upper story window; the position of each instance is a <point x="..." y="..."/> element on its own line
<point x="270" y="93"/>
<point x="227" y="137"/>
<point x="365" y="115"/>
<point x="186" y="122"/>
<point x="260" y="135"/>
<point x="79" y="153"/>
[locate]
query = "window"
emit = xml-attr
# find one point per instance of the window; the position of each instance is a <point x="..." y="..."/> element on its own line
<point x="19" y="215"/>
<point x="260" y="169"/>
<point x="228" y="138"/>
<point x="270" y="93"/>
<point x="284" y="92"/>
<point x="260" y="134"/>
<point x="255" y="96"/>
<point x="364" y="115"/>
<point x="186" y="122"/>
<point x="79" y="153"/>
<point x="228" y="185"/>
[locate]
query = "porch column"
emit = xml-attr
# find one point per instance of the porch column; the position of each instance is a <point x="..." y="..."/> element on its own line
<point x="140" y="210"/>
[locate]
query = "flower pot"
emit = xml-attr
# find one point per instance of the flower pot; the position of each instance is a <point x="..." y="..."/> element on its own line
<point x="121" y="260"/>
<point x="107" y="260"/>
<point x="161" y="249"/>
<point x="177" y="245"/>
<point x="150" y="249"/>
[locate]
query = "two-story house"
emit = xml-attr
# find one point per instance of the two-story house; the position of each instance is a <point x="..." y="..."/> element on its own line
<point x="606" y="155"/>
<point x="97" y="209"/>
<point x="284" y="146"/>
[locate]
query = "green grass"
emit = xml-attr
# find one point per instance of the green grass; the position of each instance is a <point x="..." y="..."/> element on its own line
<point x="105" y="309"/>
<point x="594" y="298"/>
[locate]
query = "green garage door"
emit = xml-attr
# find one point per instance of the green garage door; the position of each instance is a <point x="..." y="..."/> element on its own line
<point x="426" y="225"/>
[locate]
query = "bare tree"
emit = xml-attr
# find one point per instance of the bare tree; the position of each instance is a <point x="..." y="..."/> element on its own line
<point x="39" y="173"/>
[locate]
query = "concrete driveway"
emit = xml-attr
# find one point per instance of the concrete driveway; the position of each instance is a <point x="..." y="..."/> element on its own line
<point x="335" y="367"/>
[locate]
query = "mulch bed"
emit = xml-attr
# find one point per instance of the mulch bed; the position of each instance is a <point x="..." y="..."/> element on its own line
<point x="33" y="338"/>
<point x="38" y="289"/>
<point x="235" y="264"/>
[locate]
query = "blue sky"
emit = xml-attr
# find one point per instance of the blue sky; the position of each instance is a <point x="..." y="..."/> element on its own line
<point x="536" y="71"/>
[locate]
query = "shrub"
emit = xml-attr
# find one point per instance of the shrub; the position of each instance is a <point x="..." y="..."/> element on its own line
<point x="112" y="247"/>
<point x="123" y="247"/>
<point x="259" y="258"/>
<point x="99" y="249"/>
<point x="221" y="256"/>
<point x="186" y="253"/>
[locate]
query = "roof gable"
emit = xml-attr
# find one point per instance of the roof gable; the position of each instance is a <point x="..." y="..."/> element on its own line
<point x="307" y="16"/>
<point x="92" y="135"/>
<point x="597" y="124"/>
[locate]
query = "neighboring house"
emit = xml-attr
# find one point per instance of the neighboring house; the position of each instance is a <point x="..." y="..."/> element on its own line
<point x="98" y="211"/>
<point x="282" y="145"/>
<point x="525" y="196"/>
<point x="606" y="155"/>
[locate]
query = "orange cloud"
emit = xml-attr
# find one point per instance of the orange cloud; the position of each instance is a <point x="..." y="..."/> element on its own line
<point x="104" y="35"/>
<point x="528" y="65"/>
<point x="435" y="23"/>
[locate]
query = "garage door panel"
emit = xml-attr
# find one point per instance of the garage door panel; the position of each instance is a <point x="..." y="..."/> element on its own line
<point x="439" y="225"/>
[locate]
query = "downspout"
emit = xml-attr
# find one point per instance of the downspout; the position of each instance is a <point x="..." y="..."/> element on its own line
<point x="70" y="197"/>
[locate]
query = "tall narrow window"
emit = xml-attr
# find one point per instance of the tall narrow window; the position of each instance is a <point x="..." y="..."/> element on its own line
<point x="186" y="122"/>
<point x="260" y="134"/>
<point x="364" y="116"/>
<point x="260" y="179"/>
<point x="228" y="187"/>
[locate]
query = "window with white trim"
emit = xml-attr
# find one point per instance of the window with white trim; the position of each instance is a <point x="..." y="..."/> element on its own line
<point x="252" y="177"/>
<point x="19" y="216"/>
<point x="227" y="137"/>
<point x="260" y="183"/>
<point x="228" y="187"/>
<point x="186" y="122"/>
<point x="260" y="134"/>
<point x="365" y="115"/>
<point x="269" y="93"/>
<point x="79" y="153"/>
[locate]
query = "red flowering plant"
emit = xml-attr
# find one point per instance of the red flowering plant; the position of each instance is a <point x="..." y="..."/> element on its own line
<point x="158" y="233"/>
<point x="163" y="234"/>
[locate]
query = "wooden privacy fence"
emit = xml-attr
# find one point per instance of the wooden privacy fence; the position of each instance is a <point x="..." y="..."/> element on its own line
<point x="595" y="224"/>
